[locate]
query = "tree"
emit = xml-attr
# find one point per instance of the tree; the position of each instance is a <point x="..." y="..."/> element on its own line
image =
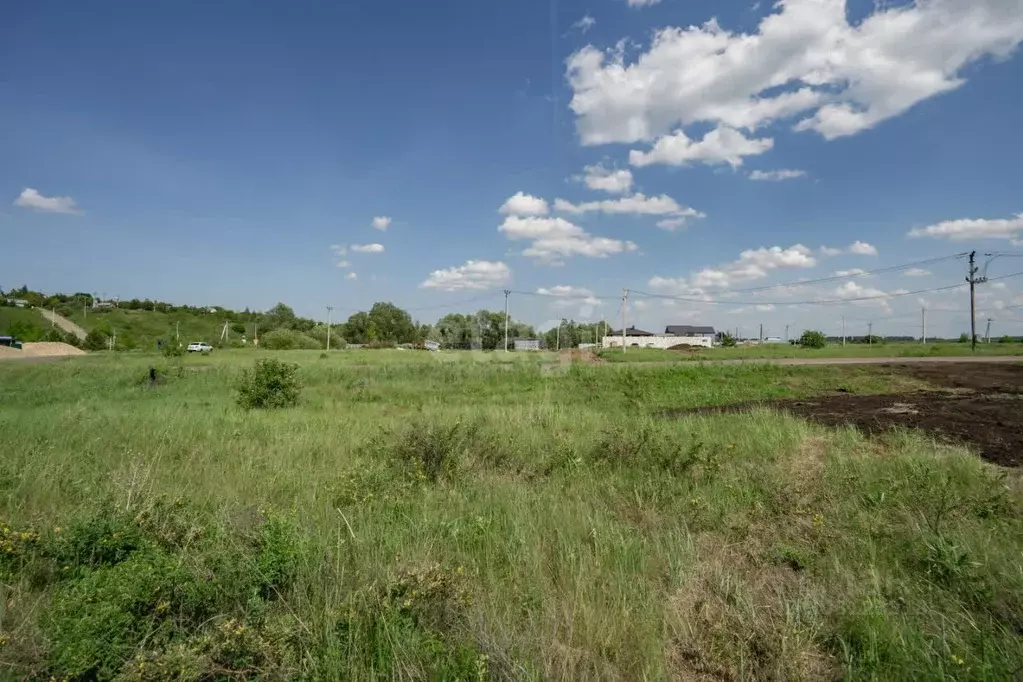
<point x="812" y="338"/>
<point x="964" y="338"/>
<point x="391" y="324"/>
<point x="356" y="328"/>
<point x="95" y="340"/>
<point x="1006" y="339"/>
<point x="279" y="317"/>
<point x="726" y="339"/>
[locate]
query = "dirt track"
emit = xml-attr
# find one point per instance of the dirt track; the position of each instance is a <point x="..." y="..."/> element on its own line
<point x="927" y="360"/>
<point x="981" y="406"/>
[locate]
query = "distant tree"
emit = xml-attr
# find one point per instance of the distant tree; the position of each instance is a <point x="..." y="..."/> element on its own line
<point x="964" y="338"/>
<point x="25" y="331"/>
<point x="391" y="324"/>
<point x="813" y="339"/>
<point x="726" y="340"/>
<point x="1006" y="339"/>
<point x="279" y="317"/>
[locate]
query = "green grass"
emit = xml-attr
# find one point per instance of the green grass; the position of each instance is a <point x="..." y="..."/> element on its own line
<point x="465" y="516"/>
<point x="20" y="316"/>
<point x="785" y="351"/>
<point x="142" y="328"/>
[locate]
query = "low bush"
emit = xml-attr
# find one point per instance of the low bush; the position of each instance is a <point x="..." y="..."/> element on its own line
<point x="288" y="339"/>
<point x="269" y="384"/>
<point x="96" y="340"/>
<point x="812" y="338"/>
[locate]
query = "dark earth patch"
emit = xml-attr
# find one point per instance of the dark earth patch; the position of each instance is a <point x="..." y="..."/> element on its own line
<point x="984" y="409"/>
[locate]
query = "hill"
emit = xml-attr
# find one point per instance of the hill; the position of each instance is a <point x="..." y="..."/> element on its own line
<point x="141" y="329"/>
<point x="25" y="324"/>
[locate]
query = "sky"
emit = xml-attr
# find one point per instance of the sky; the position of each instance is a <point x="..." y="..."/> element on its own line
<point x="698" y="153"/>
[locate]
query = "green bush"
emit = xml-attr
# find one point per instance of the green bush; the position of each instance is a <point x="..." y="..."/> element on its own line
<point x="270" y="384"/>
<point x="173" y="349"/>
<point x="727" y="340"/>
<point x="288" y="339"/>
<point x="96" y="340"/>
<point x="812" y="338"/>
<point x="1006" y="339"/>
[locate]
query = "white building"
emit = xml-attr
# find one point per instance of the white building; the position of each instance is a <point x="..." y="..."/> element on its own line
<point x="527" y="344"/>
<point x="674" y="335"/>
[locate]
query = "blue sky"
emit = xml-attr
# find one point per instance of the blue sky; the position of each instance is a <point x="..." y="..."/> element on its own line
<point x="236" y="153"/>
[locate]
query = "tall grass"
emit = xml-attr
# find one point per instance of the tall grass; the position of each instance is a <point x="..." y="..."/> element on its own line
<point x="457" y="519"/>
<point x="834" y="350"/>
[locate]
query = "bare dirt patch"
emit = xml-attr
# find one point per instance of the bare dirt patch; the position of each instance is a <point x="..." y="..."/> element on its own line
<point x="42" y="349"/>
<point x="983" y="408"/>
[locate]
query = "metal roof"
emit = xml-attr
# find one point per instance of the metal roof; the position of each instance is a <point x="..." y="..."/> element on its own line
<point x="687" y="330"/>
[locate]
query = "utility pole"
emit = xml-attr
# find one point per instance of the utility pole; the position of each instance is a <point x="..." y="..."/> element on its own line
<point x="177" y="333"/>
<point x="559" y="335"/>
<point x="625" y="307"/>
<point x="870" y="333"/>
<point x="987" y="334"/>
<point x="786" y="333"/>
<point x="506" y="292"/>
<point x="330" y="309"/>
<point x="923" y="326"/>
<point x="843" y="331"/>
<point x="974" y="281"/>
<point x="53" y="320"/>
<point x="761" y="333"/>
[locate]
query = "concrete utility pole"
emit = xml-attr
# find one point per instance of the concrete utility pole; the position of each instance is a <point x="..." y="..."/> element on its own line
<point x="786" y="333"/>
<point x="177" y="332"/>
<point x="506" y="292"/>
<point x="330" y="309"/>
<point x="843" y="330"/>
<point x="559" y="335"/>
<point x="625" y="308"/>
<point x="870" y="333"/>
<point x="761" y="332"/>
<point x="974" y="281"/>
<point x="987" y="334"/>
<point x="923" y="325"/>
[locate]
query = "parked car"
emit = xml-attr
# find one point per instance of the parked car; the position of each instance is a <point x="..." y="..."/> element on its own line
<point x="200" y="347"/>
<point x="10" y="341"/>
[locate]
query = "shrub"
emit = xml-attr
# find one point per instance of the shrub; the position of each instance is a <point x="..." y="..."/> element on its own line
<point x="1006" y="339"/>
<point x="173" y="349"/>
<point x="812" y="338"/>
<point x="964" y="338"/>
<point x="727" y="340"/>
<point x="288" y="339"/>
<point x="270" y="384"/>
<point x="96" y="340"/>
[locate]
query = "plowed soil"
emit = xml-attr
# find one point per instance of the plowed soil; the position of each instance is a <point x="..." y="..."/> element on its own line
<point x="980" y="405"/>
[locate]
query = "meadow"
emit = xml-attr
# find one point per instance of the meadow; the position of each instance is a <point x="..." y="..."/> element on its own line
<point x="832" y="350"/>
<point x="489" y="516"/>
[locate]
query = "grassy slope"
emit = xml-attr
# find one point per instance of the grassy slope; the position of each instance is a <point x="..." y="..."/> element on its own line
<point x="10" y="316"/>
<point x="146" y="326"/>
<point x="896" y="350"/>
<point x="569" y="533"/>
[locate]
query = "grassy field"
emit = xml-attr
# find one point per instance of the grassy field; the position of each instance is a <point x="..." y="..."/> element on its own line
<point x="142" y="328"/>
<point x="20" y="316"/>
<point x="784" y="350"/>
<point x="482" y="516"/>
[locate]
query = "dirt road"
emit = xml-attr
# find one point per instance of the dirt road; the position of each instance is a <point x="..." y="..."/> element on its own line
<point x="62" y="322"/>
<point x="833" y="361"/>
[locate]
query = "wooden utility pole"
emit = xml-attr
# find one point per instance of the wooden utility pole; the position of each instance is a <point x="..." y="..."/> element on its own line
<point x="974" y="281"/>
<point x="330" y="309"/>
<point x="870" y="333"/>
<point x="625" y="308"/>
<point x="506" y="292"/>
<point x="923" y="325"/>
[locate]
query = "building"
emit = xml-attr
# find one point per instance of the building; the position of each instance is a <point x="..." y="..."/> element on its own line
<point x="527" y="344"/>
<point x="18" y="302"/>
<point x="674" y="335"/>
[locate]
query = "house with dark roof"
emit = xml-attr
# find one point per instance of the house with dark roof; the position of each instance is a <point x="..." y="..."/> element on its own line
<point x="674" y="335"/>
<point x="630" y="331"/>
<point x="689" y="331"/>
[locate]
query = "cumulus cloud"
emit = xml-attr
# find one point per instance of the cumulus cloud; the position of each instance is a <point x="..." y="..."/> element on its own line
<point x="829" y="251"/>
<point x="806" y="60"/>
<point x="851" y="291"/>
<point x="30" y="198"/>
<point x="862" y="249"/>
<point x="853" y="272"/>
<point x="752" y="264"/>
<point x="997" y="228"/>
<point x="606" y="179"/>
<point x="721" y="145"/>
<point x="351" y="275"/>
<point x="777" y="175"/>
<point x="524" y="204"/>
<point x="916" y="272"/>
<point x="367" y="248"/>
<point x="473" y="275"/>
<point x="642" y="3"/>
<point x="343" y="264"/>
<point x="554" y="239"/>
<point x="635" y="204"/>
<point x="672" y="224"/>
<point x="569" y="296"/>
<point x="381" y="222"/>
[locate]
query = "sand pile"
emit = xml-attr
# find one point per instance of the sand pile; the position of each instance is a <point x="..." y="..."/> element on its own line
<point x="39" y="350"/>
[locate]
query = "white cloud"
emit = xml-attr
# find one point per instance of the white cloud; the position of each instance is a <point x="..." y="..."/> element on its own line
<point x="854" y="290"/>
<point x="672" y="224"/>
<point x="862" y="249"/>
<point x="805" y="58"/>
<point x="765" y="307"/>
<point x="606" y="179"/>
<point x="524" y="204"/>
<point x="474" y="274"/>
<point x="381" y="222"/>
<point x="642" y="3"/>
<point x="367" y="248"/>
<point x="351" y="275"/>
<point x="853" y="272"/>
<point x="829" y="251"/>
<point x="636" y="204"/>
<point x="30" y="198"/>
<point x="570" y="296"/>
<point x="343" y="264"/>
<point x="752" y="264"/>
<point x="777" y="175"/>
<point x="998" y="228"/>
<point x="339" y="249"/>
<point x="916" y="272"/>
<point x="585" y="24"/>
<point x="721" y="145"/>
<point x="554" y="239"/>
